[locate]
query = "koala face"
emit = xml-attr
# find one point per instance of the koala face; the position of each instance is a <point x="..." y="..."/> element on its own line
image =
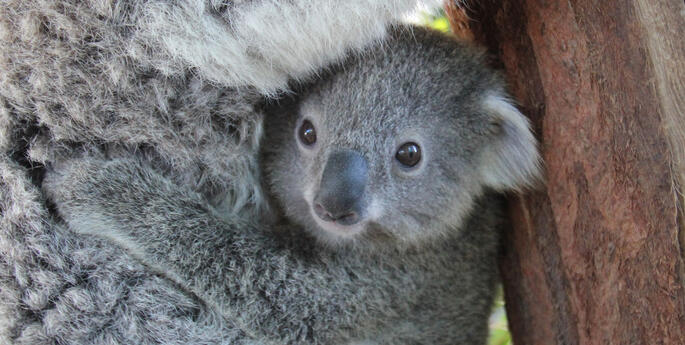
<point x="395" y="145"/>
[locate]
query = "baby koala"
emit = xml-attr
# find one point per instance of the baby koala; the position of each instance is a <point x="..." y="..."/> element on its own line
<point x="394" y="147"/>
<point x="385" y="174"/>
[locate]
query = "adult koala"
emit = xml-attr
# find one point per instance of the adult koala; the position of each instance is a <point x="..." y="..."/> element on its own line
<point x="176" y="81"/>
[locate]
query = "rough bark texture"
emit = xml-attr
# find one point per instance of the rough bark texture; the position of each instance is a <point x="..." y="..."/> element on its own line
<point x="596" y="256"/>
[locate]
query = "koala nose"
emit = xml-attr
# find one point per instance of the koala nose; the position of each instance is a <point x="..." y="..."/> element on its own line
<point x="341" y="218"/>
<point x="341" y="192"/>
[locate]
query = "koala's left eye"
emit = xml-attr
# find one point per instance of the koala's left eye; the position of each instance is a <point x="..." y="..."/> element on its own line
<point x="409" y="154"/>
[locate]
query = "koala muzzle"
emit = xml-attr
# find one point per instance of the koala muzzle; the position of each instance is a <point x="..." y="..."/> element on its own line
<point x="340" y="198"/>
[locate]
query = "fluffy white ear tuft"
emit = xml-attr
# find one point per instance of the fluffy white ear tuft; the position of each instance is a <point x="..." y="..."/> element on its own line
<point x="512" y="162"/>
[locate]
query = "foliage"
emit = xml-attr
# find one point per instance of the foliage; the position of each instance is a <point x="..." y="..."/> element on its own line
<point x="436" y="20"/>
<point x="499" y="328"/>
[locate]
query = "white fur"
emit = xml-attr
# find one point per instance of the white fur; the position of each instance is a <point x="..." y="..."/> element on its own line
<point x="375" y="210"/>
<point x="514" y="162"/>
<point x="270" y="41"/>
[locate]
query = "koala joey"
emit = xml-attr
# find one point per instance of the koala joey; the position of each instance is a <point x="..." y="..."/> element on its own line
<point x="395" y="146"/>
<point x="391" y="164"/>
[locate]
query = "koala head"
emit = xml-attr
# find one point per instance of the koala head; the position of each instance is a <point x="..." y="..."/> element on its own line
<point x="395" y="145"/>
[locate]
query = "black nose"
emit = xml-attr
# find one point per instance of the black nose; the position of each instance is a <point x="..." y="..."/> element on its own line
<point x="341" y="192"/>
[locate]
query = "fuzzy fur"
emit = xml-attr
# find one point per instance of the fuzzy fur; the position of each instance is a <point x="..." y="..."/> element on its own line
<point x="176" y="82"/>
<point x="419" y="86"/>
<point x="423" y="271"/>
<point x="276" y="285"/>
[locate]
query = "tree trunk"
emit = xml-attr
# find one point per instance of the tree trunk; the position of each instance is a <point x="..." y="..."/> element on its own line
<point x="596" y="256"/>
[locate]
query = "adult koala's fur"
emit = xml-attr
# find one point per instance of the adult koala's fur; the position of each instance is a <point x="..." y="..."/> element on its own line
<point x="176" y="81"/>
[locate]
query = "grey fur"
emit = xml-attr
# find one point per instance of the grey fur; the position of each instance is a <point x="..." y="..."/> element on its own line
<point x="175" y="81"/>
<point x="420" y="271"/>
<point x="420" y="87"/>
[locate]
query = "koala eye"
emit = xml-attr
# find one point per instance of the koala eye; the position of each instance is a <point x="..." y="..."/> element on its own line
<point x="409" y="154"/>
<point x="307" y="133"/>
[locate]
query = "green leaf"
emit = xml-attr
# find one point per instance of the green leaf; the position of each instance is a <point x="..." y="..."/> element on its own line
<point x="441" y="24"/>
<point x="499" y="337"/>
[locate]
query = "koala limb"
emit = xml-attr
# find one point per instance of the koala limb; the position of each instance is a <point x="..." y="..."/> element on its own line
<point x="256" y="281"/>
<point x="276" y="289"/>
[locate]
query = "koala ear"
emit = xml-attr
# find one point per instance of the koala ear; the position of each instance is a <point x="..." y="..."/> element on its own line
<point x="511" y="161"/>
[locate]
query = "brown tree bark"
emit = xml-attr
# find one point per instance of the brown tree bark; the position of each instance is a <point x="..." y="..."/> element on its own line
<point x="597" y="255"/>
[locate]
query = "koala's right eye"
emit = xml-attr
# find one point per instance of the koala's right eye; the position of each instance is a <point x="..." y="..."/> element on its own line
<point x="307" y="133"/>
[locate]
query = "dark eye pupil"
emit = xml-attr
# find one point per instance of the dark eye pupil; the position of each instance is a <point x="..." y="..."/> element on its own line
<point x="409" y="154"/>
<point x="307" y="133"/>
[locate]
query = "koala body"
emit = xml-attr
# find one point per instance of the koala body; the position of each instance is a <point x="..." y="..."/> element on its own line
<point x="384" y="172"/>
